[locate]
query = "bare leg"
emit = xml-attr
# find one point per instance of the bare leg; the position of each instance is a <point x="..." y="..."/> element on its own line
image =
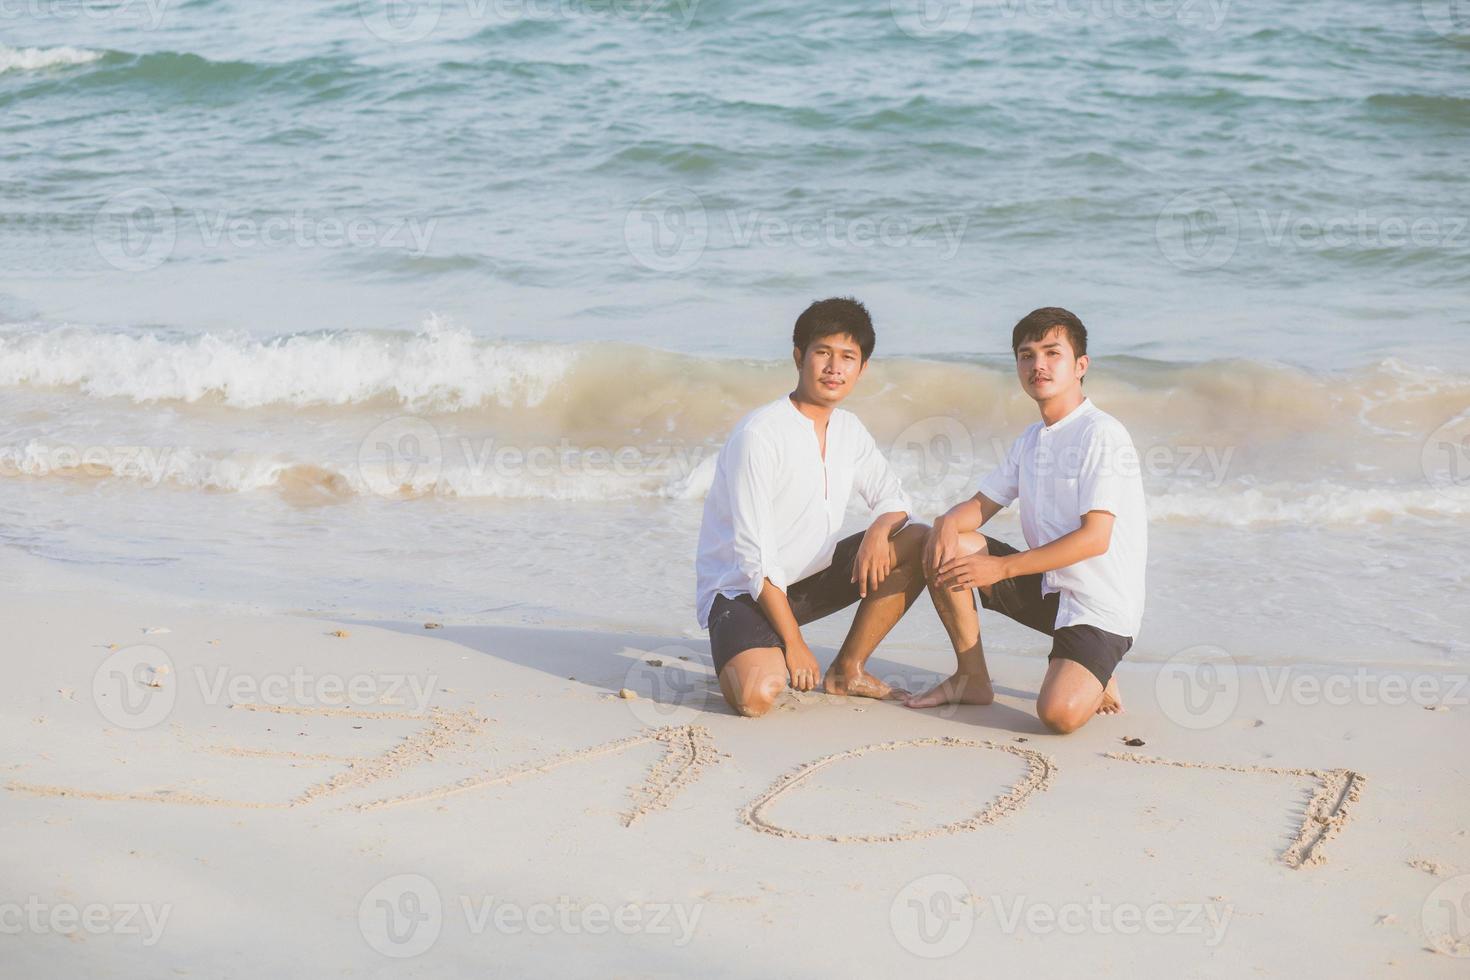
<point x="970" y="683"/>
<point x="752" y="680"/>
<point x="1070" y="695"/>
<point x="876" y="615"/>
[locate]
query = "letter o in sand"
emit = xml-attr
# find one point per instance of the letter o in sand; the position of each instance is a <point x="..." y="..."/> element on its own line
<point x="1039" y="771"/>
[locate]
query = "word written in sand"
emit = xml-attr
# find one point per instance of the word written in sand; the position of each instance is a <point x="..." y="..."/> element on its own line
<point x="1039" y="770"/>
<point x="1327" y="808"/>
<point x="687" y="749"/>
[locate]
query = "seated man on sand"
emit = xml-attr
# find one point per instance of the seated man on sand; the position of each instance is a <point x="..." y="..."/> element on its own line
<point x="1083" y="515"/>
<point x="770" y="559"/>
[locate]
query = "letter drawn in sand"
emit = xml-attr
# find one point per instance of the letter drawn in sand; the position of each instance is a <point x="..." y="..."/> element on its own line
<point x="446" y="730"/>
<point x="687" y="750"/>
<point x="1039" y="771"/>
<point x="1327" y="809"/>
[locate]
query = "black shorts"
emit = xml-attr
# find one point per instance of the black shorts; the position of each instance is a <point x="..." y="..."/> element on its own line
<point x="1020" y="598"/>
<point x="739" y="624"/>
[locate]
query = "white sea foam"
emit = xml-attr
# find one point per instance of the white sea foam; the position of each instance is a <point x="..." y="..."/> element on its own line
<point x="675" y="474"/>
<point x="33" y="59"/>
<point x="435" y="369"/>
<point x="1309" y="504"/>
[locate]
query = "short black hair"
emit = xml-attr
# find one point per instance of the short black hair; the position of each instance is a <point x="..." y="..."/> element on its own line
<point x="1039" y="323"/>
<point x="840" y="314"/>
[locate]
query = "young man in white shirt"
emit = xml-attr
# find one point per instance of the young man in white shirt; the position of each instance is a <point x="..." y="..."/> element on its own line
<point x="770" y="559"/>
<point x="1085" y="522"/>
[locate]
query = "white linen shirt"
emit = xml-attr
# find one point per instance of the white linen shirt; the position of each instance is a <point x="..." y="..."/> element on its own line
<point x="1084" y="461"/>
<point x="775" y="508"/>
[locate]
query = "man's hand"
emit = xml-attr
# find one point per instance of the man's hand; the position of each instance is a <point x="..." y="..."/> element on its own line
<point x="971" y="572"/>
<point x="941" y="545"/>
<point x="805" y="671"/>
<point x="873" y="562"/>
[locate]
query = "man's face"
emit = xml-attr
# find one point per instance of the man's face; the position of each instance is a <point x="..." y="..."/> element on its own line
<point x="830" y="368"/>
<point x="1047" y="367"/>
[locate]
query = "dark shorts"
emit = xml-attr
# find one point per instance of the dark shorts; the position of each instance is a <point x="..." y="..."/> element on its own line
<point x="739" y="624"/>
<point x="1020" y="598"/>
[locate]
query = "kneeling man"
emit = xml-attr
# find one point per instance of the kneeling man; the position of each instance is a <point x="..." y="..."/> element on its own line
<point x="770" y="559"/>
<point x="1076" y="474"/>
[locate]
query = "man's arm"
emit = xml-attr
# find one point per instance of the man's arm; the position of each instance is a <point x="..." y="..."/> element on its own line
<point x="753" y="465"/>
<point x="944" y="541"/>
<point x="800" y="661"/>
<point x="979" y="570"/>
<point x="875" y="555"/>
<point x="880" y="488"/>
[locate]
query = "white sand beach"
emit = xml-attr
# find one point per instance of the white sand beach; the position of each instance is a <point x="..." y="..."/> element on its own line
<point x="202" y="792"/>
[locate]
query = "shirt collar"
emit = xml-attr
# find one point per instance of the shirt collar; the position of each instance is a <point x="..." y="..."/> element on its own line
<point x="1083" y="408"/>
<point x="801" y="417"/>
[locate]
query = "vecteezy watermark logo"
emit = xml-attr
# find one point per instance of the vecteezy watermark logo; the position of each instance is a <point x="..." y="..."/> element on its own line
<point x="135" y="687"/>
<point x="933" y="916"/>
<point x="940" y="453"/>
<point x="1198" y="687"/>
<point x="667" y="230"/>
<point x="403" y="454"/>
<point x="1015" y="914"/>
<point x="406" y="456"/>
<point x="147" y="14"/>
<point x="1448" y="18"/>
<point x="1205" y="14"/>
<point x="930" y="20"/>
<point x="95" y="919"/>
<point x="401" y="916"/>
<point x="136" y="230"/>
<point x="300" y="688"/>
<point x="1363" y="686"/>
<point x="1446" y="917"/>
<point x="1361" y="229"/>
<point x="568" y="918"/>
<point x="400" y="21"/>
<point x="1198" y="230"/>
<point x="1445" y="457"/>
<point x="667" y="690"/>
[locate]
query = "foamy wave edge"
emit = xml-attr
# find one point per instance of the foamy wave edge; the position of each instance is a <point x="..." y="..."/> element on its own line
<point x="33" y="59"/>
<point x="680" y="479"/>
<point x="438" y="368"/>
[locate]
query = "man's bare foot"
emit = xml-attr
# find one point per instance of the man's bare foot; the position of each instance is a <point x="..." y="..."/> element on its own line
<point x="860" y="685"/>
<point x="958" y="689"/>
<point x="1112" y="701"/>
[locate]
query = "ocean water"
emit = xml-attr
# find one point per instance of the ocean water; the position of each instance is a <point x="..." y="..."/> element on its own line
<point x="442" y="309"/>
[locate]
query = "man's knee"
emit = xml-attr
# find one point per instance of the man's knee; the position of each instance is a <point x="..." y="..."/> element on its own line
<point x="908" y="545"/>
<point x="751" y="700"/>
<point x="1062" y="718"/>
<point x="752" y="705"/>
<point x="752" y="691"/>
<point x="1064" y="710"/>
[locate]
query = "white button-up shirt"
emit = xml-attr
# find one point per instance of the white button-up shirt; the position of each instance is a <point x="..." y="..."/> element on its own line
<point x="775" y="508"/>
<point x="1085" y="461"/>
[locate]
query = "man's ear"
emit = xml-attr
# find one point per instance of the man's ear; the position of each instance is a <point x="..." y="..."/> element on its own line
<point x="796" y="356"/>
<point x="1082" y="363"/>
<point x="863" y="367"/>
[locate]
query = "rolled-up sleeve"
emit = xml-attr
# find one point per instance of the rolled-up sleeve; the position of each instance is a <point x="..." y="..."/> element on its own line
<point x="875" y="480"/>
<point x="1003" y="484"/>
<point x="751" y="475"/>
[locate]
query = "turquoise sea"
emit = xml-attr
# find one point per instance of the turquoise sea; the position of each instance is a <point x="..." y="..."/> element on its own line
<point x="441" y="308"/>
